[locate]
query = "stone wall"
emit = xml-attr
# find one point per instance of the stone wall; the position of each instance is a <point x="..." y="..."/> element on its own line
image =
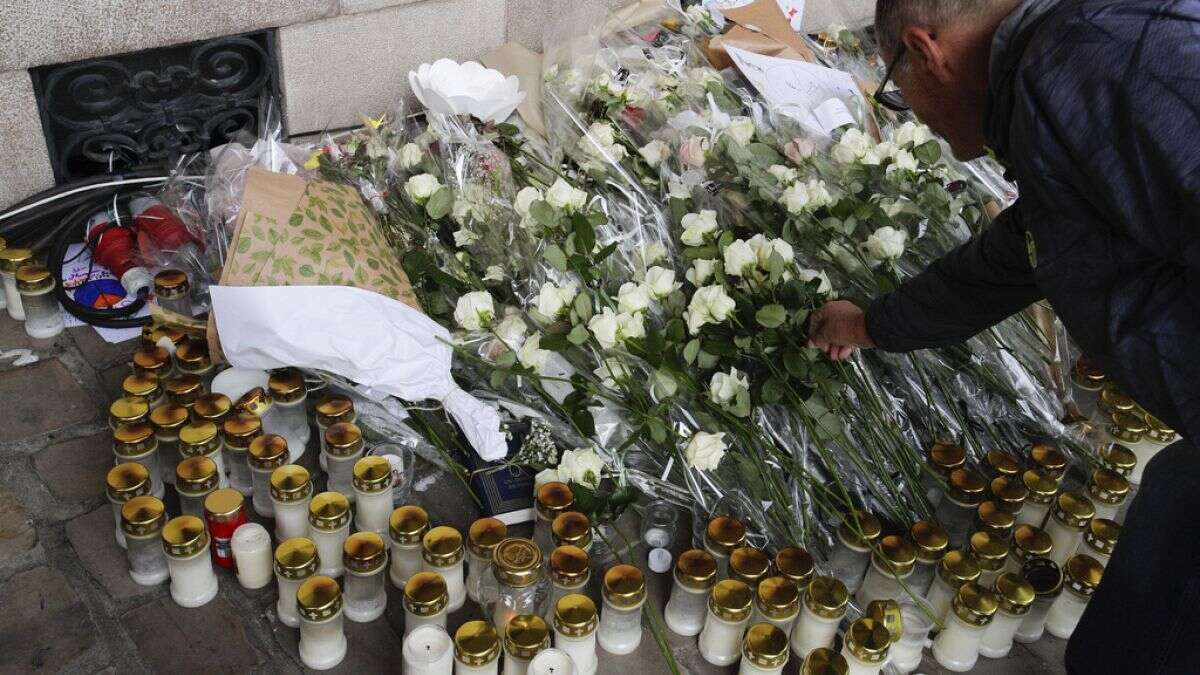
<point x="338" y="58"/>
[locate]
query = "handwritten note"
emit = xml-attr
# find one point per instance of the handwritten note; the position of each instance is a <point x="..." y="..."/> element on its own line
<point x="816" y="96"/>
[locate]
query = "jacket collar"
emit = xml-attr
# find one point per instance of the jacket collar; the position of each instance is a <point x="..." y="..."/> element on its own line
<point x="1012" y="36"/>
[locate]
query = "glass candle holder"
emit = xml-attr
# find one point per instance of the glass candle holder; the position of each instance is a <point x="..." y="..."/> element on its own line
<point x="1046" y="577"/>
<point x="990" y="553"/>
<point x="1068" y="519"/>
<point x="406" y="528"/>
<point x="125" y="482"/>
<point x="1100" y="539"/>
<point x="290" y="395"/>
<point x="167" y="421"/>
<point x="1107" y="490"/>
<point x="571" y="528"/>
<point x="764" y="650"/>
<point x="519" y="585"/>
<point x="251" y="546"/>
<point x="891" y="566"/>
<point x="224" y="513"/>
<point x="476" y="649"/>
<point x="183" y="389"/>
<point x="291" y="492"/>
<point x="729" y="608"/>
<point x="364" y="555"/>
<point x="906" y="653"/>
<point x="425" y="601"/>
<point x="442" y="551"/>
<point x="955" y="569"/>
<point x="128" y="410"/>
<point x="136" y="443"/>
<point x="343" y="447"/>
<point x="658" y="522"/>
<point x="570" y="572"/>
<point x="524" y="636"/>
<point x="428" y="650"/>
<point x="202" y="439"/>
<point x="1082" y="576"/>
<point x="1028" y="542"/>
<point x="575" y="622"/>
<point x="749" y="565"/>
<point x="295" y="561"/>
<point x="239" y="430"/>
<point x="866" y="647"/>
<point x="322" y="632"/>
<point x="722" y="535"/>
<point x="992" y="519"/>
<point x="12" y="259"/>
<point x="185" y="541"/>
<point x="851" y="553"/>
<point x="624" y="594"/>
<point x="796" y="565"/>
<point x="550" y="500"/>
<point x="956" y="512"/>
<point x="956" y="648"/>
<point x="372" y="480"/>
<point x="195" y="479"/>
<point x="822" y="610"/>
<point x="173" y="293"/>
<point x="1014" y="596"/>
<point x="694" y="577"/>
<point x="43" y="315"/>
<point x="328" y="527"/>
<point x="329" y="411"/>
<point x="931" y="543"/>
<point x="142" y="519"/>
<point x="192" y="358"/>
<point x="483" y="537"/>
<point x="777" y="602"/>
<point x="152" y="359"/>
<point x="1042" y="490"/>
<point x="945" y="457"/>
<point x="266" y="454"/>
<point x="212" y="407"/>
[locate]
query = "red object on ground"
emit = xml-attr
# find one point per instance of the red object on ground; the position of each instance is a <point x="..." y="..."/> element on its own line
<point x="220" y="528"/>
<point x="160" y="226"/>
<point x="112" y="246"/>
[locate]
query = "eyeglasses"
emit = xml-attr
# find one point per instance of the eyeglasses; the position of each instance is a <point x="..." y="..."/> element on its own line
<point x="892" y="99"/>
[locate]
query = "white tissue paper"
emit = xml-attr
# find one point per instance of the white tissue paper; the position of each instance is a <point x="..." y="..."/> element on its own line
<point x="451" y="88"/>
<point x="363" y="336"/>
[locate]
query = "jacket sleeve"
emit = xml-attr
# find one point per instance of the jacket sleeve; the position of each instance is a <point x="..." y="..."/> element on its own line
<point x="969" y="289"/>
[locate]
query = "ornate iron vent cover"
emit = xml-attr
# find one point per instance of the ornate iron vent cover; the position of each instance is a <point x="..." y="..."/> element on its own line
<point x="152" y="105"/>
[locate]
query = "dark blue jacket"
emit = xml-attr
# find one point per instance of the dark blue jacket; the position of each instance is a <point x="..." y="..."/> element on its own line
<point x="1094" y="106"/>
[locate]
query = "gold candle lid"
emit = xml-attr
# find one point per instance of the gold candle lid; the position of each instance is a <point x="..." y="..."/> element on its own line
<point x="569" y="565"/>
<point x="425" y="594"/>
<point x="895" y="555"/>
<point x="946" y="456"/>
<point x="827" y="597"/>
<point x="966" y="486"/>
<point x="191" y="356"/>
<point x="988" y="550"/>
<point x="887" y="614"/>
<point x="133" y="440"/>
<point x="624" y="586"/>
<point x="11" y="259"/>
<point x="1159" y="432"/>
<point x="1107" y="487"/>
<point x="485" y="535"/>
<point x="184" y="389"/>
<point x="33" y="277"/>
<point x="126" y="481"/>
<point x="1010" y="492"/>
<point x="1113" y="400"/>
<point x="296" y="558"/>
<point x="731" y="600"/>
<point x="442" y="546"/>
<point x="343" y="439"/>
<point x="364" y="552"/>
<point x="224" y="505"/>
<point x="552" y="498"/>
<point x="372" y="474"/>
<point x="724" y="534"/>
<point x="1082" y="575"/>
<point x="1044" y="575"/>
<point x="868" y="640"/>
<point x="526" y="635"/>
<point x="141" y="385"/>
<point x="196" y="475"/>
<point x="152" y="334"/>
<point x="169" y="418"/>
<point x="974" y="604"/>
<point x="198" y="438"/>
<point x="240" y="429"/>
<point x="1127" y="427"/>
<point x="476" y="643"/>
<point x="957" y="568"/>
<point x="1041" y="486"/>
<point x="1030" y="542"/>
<point x="212" y="407"/>
<point x="571" y="528"/>
<point x="290" y="483"/>
<point x="989" y="517"/>
<point x="859" y="529"/>
<point x="696" y="569"/>
<point x="1048" y="459"/>
<point x="143" y="516"/>
<point x="1073" y="510"/>
<point x="766" y="646"/>
<point x="778" y="598"/>
<point x="931" y="541"/>
<point x="796" y="564"/>
<point x="1014" y="594"/>
<point x="268" y="452"/>
<point x="748" y="564"/>
<point x="517" y="562"/>
<point x="151" y="359"/>
<point x="319" y="598"/>
<point x="408" y="524"/>
<point x="333" y="409"/>
<point x="256" y="401"/>
<point x="1101" y="534"/>
<point x="575" y="615"/>
<point x="1001" y="463"/>
<point x="171" y="283"/>
<point x="1119" y="458"/>
<point x="824" y="661"/>
<point x="329" y="511"/>
<point x="286" y="386"/>
<point x="128" y="410"/>
<point x="1087" y="375"/>
<point x="184" y="536"/>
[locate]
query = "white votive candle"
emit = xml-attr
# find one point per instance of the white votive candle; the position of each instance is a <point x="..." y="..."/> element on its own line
<point x="866" y="647"/>
<point x="329" y="411"/>
<point x="552" y="662"/>
<point x="322" y="635"/>
<point x="238" y="430"/>
<point x="291" y="491"/>
<point x="550" y="499"/>
<point x="373" y="494"/>
<point x="124" y="482"/>
<point x="1042" y="489"/>
<point x="1015" y="597"/>
<point x="11" y="259"/>
<point x="328" y="527"/>
<point x="343" y="447"/>
<point x="729" y="607"/>
<point x="425" y="601"/>
<point x="1047" y="580"/>
<point x="575" y="624"/>
<point x="295" y="561"/>
<point x="624" y="594"/>
<point x="364" y="556"/>
<point x="777" y="602"/>
<point x="203" y="439"/>
<point x="822" y="610"/>
<point x="1083" y="574"/>
<point x="251" y="545"/>
<point x="851" y="554"/>
<point x="764" y="650"/>
<point x="186" y="542"/>
<point x="267" y="453"/>
<point x="290" y="395"/>
<point x="956" y="648"/>
<point x="136" y="443"/>
<point x="1068" y="519"/>
<point x="483" y="537"/>
<point x="476" y="649"/>
<point x="142" y="519"/>
<point x="524" y="636"/>
<point x="406" y="528"/>
<point x="570" y="571"/>
<point x="695" y="575"/>
<point x="428" y="650"/>
<point x="195" y="479"/>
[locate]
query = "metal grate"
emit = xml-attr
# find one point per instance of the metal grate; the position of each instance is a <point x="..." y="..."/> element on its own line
<point x="155" y="105"/>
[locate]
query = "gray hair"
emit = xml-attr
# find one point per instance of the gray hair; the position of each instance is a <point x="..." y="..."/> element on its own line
<point x="893" y="16"/>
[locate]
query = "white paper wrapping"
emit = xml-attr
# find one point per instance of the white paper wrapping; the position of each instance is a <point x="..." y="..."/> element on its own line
<point x="361" y="335"/>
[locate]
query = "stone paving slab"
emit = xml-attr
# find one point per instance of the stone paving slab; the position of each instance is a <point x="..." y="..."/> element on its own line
<point x="41" y="398"/>
<point x="172" y="639"/>
<point x="17" y="534"/>
<point x="45" y="627"/>
<point x="99" y="352"/>
<point x="70" y="468"/>
<point x="92" y="539"/>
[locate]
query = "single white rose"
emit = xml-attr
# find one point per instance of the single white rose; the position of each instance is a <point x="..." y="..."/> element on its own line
<point x="525" y="199"/>
<point x="552" y="299"/>
<point x="886" y="243"/>
<point x="630" y="326"/>
<point x="633" y="297"/>
<point x="851" y="146"/>
<point x="694" y="151"/>
<point x="421" y="187"/>
<point x="807" y="275"/>
<point x="741" y="130"/>
<point x="799" y="149"/>
<point x="582" y="466"/>
<point x="611" y="372"/>
<point x="724" y="388"/>
<point x="511" y="330"/>
<point x="764" y="248"/>
<point x="531" y="355"/>
<point x="784" y="174"/>
<point x="796" y="198"/>
<point x="697" y="227"/>
<point x="562" y="195"/>
<point x="410" y="156"/>
<point x="601" y="133"/>
<point x="701" y="271"/>
<point x="655" y="152"/>
<point x="903" y="161"/>
<point x="911" y="133"/>
<point x="705" y="450"/>
<point x="709" y="304"/>
<point x="464" y="237"/>
<point x="740" y="259"/>
<point x="474" y="310"/>
<point x="661" y="282"/>
<point x="653" y="252"/>
<point x="604" y="328"/>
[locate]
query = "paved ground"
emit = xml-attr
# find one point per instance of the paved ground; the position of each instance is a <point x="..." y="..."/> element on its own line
<point x="69" y="606"/>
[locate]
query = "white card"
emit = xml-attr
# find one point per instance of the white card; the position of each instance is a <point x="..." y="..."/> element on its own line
<point x="801" y="90"/>
<point x="793" y="10"/>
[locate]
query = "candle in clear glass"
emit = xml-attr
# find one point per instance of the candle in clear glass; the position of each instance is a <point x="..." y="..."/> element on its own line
<point x="866" y="647"/>
<point x="124" y="482"/>
<point x="1100" y="539"/>
<point x="295" y="561"/>
<point x="476" y="649"/>
<point x="722" y="535"/>
<point x="623" y="592"/>
<point x="1081" y="577"/>
<point x="1107" y="490"/>
<point x="1068" y="519"/>
<point x="291" y="490"/>
<point x="425" y="601"/>
<point x="136" y="443"/>
<point x="329" y="411"/>
<point x="290" y="394"/>
<point x="931" y="542"/>
<point x="851" y="553"/>
<point x="1014" y="596"/>
<point x="906" y="653"/>
<point x="191" y="358"/>
<point x="519" y="584"/>
<point x="955" y="569"/>
<point x="1042" y="490"/>
<point x="991" y="518"/>
<point x="142" y="519"/>
<point x="202" y="439"/>
<point x="748" y="565"/>
<point x="43" y="316"/>
<point x="575" y="622"/>
<point x="238" y="431"/>
<point x="729" y="606"/>
<point x="322" y="635"/>
<point x="195" y="479"/>
<point x="193" y="582"/>
<point x="183" y="389"/>
<point x="343" y="447"/>
<point x="1028" y="542"/>
<point x="694" y="576"/>
<point x="777" y="602"/>
<point x="406" y="528"/>
<point x="251" y="546"/>
<point x="570" y="571"/>
<point x="524" y="636"/>
<point x="891" y="566"/>
<point x="11" y="259"/>
<point x="1046" y="577"/>
<point x="989" y="552"/>
<point x="957" y="511"/>
<point x="442" y="551"/>
<point x="172" y="292"/>
<point x="266" y="454"/>
<point x="764" y="650"/>
<point x="956" y="648"/>
<point x="328" y="527"/>
<point x="658" y="524"/>
<point x="550" y="499"/>
<point x="372" y="479"/>
<point x="552" y="661"/>
<point x="571" y="528"/>
<point x="168" y="419"/>
<point x="128" y="410"/>
<point x="821" y="611"/>
<point x="944" y="458"/>
<point x="482" y="538"/>
<point x="428" y="650"/>
<point x="364" y="555"/>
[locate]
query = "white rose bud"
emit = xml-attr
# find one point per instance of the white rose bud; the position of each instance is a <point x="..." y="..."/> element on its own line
<point x="562" y="195"/>
<point x="410" y="156"/>
<point x="705" y="450"/>
<point x="511" y="330"/>
<point x="724" y="388"/>
<point x="532" y="356"/>
<point x="740" y="259"/>
<point x="655" y="152"/>
<point x="693" y="151"/>
<point x="661" y="282"/>
<point x="886" y="243"/>
<point x="709" y="304"/>
<point x="475" y="310"/>
<point x="807" y="275"/>
<point x="903" y="161"/>
<point x="784" y="174"/>
<point x="741" y="130"/>
<point x="604" y="328"/>
<point x="552" y="300"/>
<point x="421" y="187"/>
<point x="633" y="297"/>
<point x="698" y="226"/>
<point x="701" y="271"/>
<point x="525" y="199"/>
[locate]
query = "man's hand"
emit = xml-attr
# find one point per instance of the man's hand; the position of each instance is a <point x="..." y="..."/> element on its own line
<point x="838" y="328"/>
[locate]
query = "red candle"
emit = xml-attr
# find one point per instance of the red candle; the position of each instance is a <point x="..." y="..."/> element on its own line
<point x="224" y="512"/>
